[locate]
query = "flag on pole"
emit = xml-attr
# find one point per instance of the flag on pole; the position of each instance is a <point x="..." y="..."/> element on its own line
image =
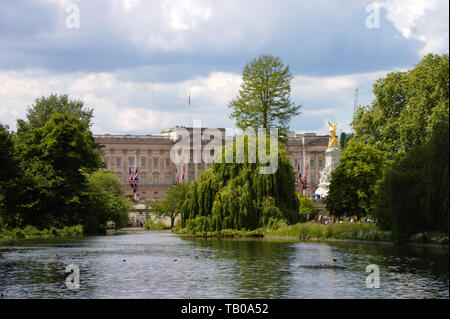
<point x="133" y="178"/>
<point x="299" y="172"/>
<point x="183" y="172"/>
<point x="305" y="174"/>
<point x="176" y="173"/>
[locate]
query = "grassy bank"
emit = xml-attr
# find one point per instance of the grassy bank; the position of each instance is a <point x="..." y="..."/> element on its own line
<point x="315" y="231"/>
<point x="355" y="231"/>
<point x="352" y="231"/>
<point x="31" y="232"/>
<point x="155" y="224"/>
<point x="223" y="233"/>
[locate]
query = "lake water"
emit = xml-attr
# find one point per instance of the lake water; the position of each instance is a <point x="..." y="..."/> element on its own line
<point x="152" y="264"/>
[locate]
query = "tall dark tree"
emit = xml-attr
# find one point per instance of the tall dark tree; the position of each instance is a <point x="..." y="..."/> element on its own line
<point x="54" y="159"/>
<point x="413" y="195"/>
<point x="9" y="171"/>
<point x="264" y="99"/>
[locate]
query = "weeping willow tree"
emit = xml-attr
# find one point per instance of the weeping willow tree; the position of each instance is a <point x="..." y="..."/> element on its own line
<point x="236" y="196"/>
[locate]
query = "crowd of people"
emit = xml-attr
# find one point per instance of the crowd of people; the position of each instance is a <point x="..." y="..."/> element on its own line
<point x="321" y="219"/>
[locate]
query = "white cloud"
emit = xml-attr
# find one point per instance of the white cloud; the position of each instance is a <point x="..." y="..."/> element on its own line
<point x="422" y="20"/>
<point x="122" y="106"/>
<point x="185" y="14"/>
<point x="129" y="5"/>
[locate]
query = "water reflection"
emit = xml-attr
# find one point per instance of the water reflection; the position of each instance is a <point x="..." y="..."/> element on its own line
<point x="163" y="265"/>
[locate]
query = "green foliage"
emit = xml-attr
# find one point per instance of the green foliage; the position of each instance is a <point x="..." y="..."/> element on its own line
<point x="264" y="97"/>
<point x="306" y="206"/>
<point x="344" y="230"/>
<point x="352" y="184"/>
<point x="344" y="138"/>
<point x="52" y="178"/>
<point x="104" y="201"/>
<point x="54" y="160"/>
<point x="413" y="195"/>
<point x="9" y="169"/>
<point x="45" y="107"/>
<point x="152" y="224"/>
<point x="408" y="120"/>
<point x="31" y="232"/>
<point x="170" y="205"/>
<point x="405" y="107"/>
<point x="8" y="162"/>
<point x="237" y="196"/>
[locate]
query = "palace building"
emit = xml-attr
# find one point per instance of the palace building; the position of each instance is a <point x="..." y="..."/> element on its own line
<point x="157" y="172"/>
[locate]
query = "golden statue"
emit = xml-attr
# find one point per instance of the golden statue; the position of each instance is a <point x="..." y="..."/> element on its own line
<point x="333" y="140"/>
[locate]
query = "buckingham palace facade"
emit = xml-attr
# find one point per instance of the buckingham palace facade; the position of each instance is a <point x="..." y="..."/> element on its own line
<point x="157" y="172"/>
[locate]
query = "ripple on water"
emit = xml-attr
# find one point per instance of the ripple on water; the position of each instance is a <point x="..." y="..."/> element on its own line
<point x="216" y="268"/>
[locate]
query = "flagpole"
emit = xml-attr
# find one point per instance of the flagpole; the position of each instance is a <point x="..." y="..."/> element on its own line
<point x="303" y="162"/>
<point x="189" y="107"/>
<point x="135" y="169"/>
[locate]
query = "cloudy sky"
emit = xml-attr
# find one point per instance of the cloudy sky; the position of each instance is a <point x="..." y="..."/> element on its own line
<point x="135" y="61"/>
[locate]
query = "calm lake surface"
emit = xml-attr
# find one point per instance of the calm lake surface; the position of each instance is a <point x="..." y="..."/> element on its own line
<point x="164" y="265"/>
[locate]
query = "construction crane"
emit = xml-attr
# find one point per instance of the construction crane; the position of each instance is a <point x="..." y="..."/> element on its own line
<point x="355" y="105"/>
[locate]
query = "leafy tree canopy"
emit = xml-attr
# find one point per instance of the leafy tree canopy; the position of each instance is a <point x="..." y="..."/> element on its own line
<point x="352" y="184"/>
<point x="54" y="160"/>
<point x="264" y="99"/>
<point x="406" y="107"/>
<point x="236" y="196"/>
<point x="171" y="205"/>
<point x="44" y="107"/>
<point x="104" y="200"/>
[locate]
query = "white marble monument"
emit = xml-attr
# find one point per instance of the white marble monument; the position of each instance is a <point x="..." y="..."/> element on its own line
<point x="332" y="157"/>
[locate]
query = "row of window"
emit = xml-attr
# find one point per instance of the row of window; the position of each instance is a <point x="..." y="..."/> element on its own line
<point x="312" y="164"/>
<point x="144" y="181"/>
<point x="168" y="163"/>
<point x="143" y="162"/>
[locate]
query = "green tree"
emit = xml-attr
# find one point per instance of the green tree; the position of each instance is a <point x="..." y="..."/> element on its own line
<point x="8" y="161"/>
<point x="104" y="201"/>
<point x="352" y="183"/>
<point x="344" y="138"/>
<point x="9" y="172"/>
<point x="54" y="160"/>
<point x="405" y="107"/>
<point x="413" y="195"/>
<point x="264" y="99"/>
<point x="408" y="121"/>
<point x="306" y="206"/>
<point x="44" y="107"/>
<point x="237" y="196"/>
<point x="171" y="204"/>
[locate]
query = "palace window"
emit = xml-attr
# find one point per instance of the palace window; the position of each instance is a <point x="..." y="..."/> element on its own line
<point x="143" y="162"/>
<point x="320" y="163"/>
<point x="118" y="162"/>
<point x="131" y="160"/>
<point x="155" y="162"/>
<point x="168" y="180"/>
<point x="155" y="180"/>
<point x="312" y="163"/>
<point x="168" y="162"/>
